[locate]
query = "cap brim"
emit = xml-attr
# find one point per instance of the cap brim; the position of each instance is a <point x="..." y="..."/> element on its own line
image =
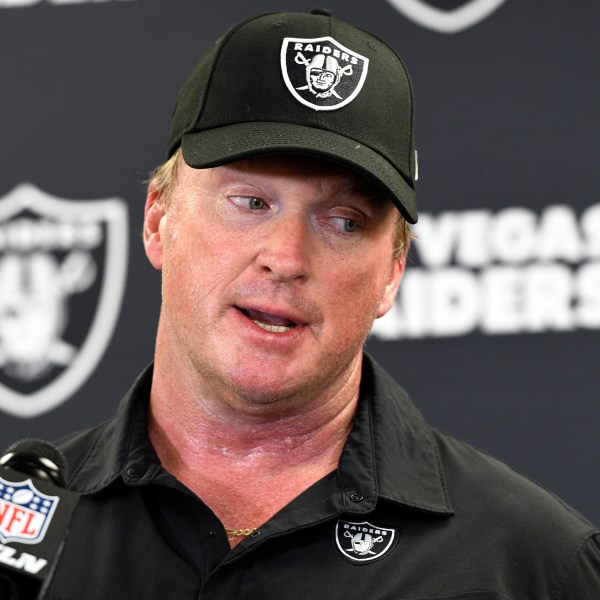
<point x="222" y="145"/>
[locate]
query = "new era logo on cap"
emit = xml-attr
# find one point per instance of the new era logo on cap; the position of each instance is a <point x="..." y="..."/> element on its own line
<point x="322" y="73"/>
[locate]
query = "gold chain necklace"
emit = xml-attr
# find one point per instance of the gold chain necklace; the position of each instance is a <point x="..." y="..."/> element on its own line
<point x="239" y="532"/>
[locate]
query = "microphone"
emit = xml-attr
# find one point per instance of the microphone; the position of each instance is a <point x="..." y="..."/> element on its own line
<point x="35" y="512"/>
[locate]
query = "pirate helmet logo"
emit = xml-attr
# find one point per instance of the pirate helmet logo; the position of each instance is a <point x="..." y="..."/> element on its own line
<point x="364" y="542"/>
<point x="62" y="275"/>
<point x="321" y="73"/>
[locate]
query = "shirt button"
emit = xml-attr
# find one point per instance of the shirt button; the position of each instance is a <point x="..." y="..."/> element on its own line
<point x="356" y="498"/>
<point x="133" y="472"/>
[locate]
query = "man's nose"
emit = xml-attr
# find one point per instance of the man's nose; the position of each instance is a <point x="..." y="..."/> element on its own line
<point x="286" y="248"/>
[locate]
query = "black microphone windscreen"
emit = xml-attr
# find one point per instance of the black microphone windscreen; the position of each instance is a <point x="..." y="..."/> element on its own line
<point x="35" y="514"/>
<point x="37" y="457"/>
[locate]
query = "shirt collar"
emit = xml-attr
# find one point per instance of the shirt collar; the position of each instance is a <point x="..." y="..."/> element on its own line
<point x="406" y="459"/>
<point x="390" y="453"/>
<point x="117" y="449"/>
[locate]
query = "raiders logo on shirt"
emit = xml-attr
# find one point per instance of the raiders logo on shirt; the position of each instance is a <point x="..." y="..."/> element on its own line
<point x="363" y="542"/>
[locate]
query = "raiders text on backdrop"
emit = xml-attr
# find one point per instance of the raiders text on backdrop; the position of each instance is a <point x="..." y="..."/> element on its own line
<point x="505" y="273"/>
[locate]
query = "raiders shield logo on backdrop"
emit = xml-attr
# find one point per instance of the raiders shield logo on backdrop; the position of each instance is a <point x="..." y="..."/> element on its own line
<point x="363" y="542"/>
<point x="321" y="73"/>
<point x="447" y="21"/>
<point x="62" y="276"/>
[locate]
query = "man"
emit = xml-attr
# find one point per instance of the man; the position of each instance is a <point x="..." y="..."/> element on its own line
<point x="264" y="455"/>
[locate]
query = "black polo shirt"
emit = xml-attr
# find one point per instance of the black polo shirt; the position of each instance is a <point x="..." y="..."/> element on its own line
<point x="410" y="513"/>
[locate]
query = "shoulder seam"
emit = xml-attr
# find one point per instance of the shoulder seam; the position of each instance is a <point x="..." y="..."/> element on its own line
<point x="559" y="589"/>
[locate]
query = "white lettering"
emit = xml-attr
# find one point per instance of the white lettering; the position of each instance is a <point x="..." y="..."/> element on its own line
<point x="472" y="233"/>
<point x="512" y="235"/>
<point x="501" y="309"/>
<point x="588" y="291"/>
<point x="453" y="302"/>
<point x="515" y="235"/>
<point x="24" y="562"/>
<point x="559" y="236"/>
<point x="505" y="273"/>
<point x="498" y="300"/>
<point x="436" y="238"/>
<point x="547" y="298"/>
<point x="30" y="564"/>
<point x="7" y="555"/>
<point x="27" y="234"/>
<point x="590" y="225"/>
<point x="298" y="46"/>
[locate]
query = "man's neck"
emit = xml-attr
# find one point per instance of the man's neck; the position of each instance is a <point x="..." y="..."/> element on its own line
<point x="187" y="436"/>
<point x="247" y="465"/>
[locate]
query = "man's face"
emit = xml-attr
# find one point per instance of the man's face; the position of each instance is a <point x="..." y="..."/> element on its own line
<point x="273" y="272"/>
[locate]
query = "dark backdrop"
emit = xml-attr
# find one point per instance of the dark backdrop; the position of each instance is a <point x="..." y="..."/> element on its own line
<point x="495" y="333"/>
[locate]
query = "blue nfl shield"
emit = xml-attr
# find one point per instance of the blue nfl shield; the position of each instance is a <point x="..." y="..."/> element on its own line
<point x="25" y="512"/>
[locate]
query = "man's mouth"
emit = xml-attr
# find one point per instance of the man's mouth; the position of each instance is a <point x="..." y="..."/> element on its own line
<point x="268" y="322"/>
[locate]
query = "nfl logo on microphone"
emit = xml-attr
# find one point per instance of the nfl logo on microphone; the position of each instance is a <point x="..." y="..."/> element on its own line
<point x="25" y="512"/>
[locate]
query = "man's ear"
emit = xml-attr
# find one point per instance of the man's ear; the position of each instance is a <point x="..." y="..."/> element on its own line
<point x="154" y="219"/>
<point x="391" y="289"/>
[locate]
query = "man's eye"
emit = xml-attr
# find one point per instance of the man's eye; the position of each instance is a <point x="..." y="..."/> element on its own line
<point x="347" y="225"/>
<point x="249" y="202"/>
<point x="255" y="203"/>
<point x="350" y="225"/>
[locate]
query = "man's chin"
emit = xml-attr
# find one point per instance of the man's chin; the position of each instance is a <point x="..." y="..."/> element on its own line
<point x="268" y="395"/>
<point x="265" y="396"/>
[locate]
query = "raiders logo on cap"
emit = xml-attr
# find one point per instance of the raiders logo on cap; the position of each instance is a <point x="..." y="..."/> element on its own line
<point x="321" y="73"/>
<point x="364" y="542"/>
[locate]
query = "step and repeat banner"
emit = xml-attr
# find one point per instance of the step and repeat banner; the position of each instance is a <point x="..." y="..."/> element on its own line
<point x="496" y="329"/>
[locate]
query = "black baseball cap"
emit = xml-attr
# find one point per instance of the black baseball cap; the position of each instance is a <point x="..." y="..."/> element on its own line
<point x="302" y="83"/>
